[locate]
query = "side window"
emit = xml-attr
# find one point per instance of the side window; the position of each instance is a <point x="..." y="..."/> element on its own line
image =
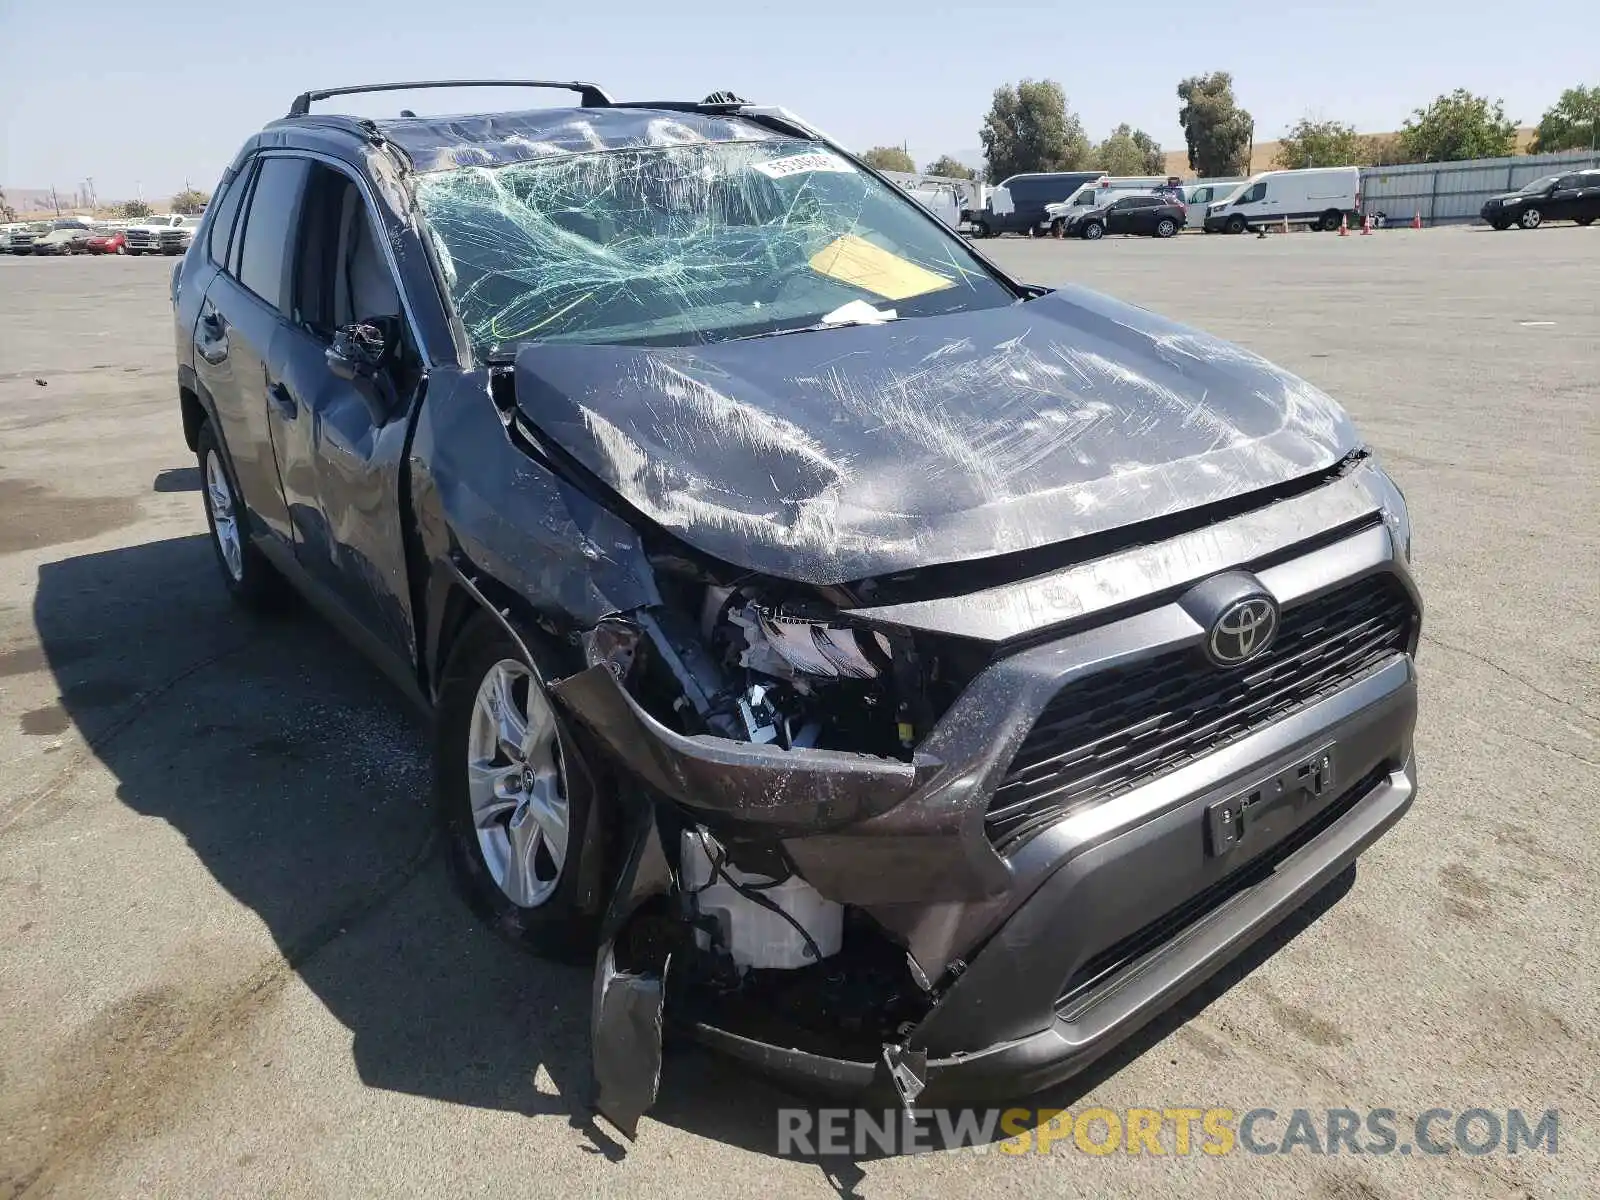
<point x="222" y="219"/>
<point x="1567" y="181"/>
<point x="274" y="204"/>
<point x="343" y="276"/>
<point x="1258" y="192"/>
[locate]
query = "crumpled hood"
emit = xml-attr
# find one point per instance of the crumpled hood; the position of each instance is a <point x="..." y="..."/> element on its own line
<point x="842" y="454"/>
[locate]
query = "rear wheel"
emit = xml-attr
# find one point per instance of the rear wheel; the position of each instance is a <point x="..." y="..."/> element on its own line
<point x="981" y="229"/>
<point x="1237" y="224"/>
<point x="1584" y="220"/>
<point x="1166" y="227"/>
<point x="246" y="573"/>
<point x="1531" y="218"/>
<point x="1329" y="221"/>
<point x="516" y="830"/>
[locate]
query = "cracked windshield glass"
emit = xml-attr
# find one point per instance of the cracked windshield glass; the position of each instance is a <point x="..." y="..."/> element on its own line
<point x="688" y="243"/>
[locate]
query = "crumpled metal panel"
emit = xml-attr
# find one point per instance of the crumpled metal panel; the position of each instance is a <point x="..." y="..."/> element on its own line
<point x="514" y="518"/>
<point x="494" y="139"/>
<point x="837" y="455"/>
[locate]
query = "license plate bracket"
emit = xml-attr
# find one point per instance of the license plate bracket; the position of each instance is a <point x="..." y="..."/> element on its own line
<point x="1270" y="808"/>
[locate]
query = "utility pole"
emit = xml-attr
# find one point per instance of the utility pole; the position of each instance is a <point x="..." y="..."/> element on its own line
<point x="55" y="202"/>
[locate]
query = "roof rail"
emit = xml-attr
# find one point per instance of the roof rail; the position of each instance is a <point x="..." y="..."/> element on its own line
<point x="590" y="95"/>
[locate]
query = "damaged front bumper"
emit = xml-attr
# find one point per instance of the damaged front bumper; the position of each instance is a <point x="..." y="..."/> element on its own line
<point x="1037" y="953"/>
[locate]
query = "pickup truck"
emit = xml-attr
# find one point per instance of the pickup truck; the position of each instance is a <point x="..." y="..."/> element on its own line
<point x="151" y="235"/>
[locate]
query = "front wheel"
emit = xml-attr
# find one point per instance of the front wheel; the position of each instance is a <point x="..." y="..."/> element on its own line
<point x="1092" y="231"/>
<point x="135" y="253"/>
<point x="1500" y="224"/>
<point x="1237" y="224"/>
<point x="517" y="831"/>
<point x="1531" y="218"/>
<point x="1166" y="227"/>
<point x="981" y="230"/>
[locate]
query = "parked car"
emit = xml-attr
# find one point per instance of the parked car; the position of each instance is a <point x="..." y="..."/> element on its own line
<point x="1154" y="216"/>
<point x="146" y="235"/>
<point x="71" y="239"/>
<point x="108" y="241"/>
<point x="883" y="670"/>
<point x="1320" y="197"/>
<point x="1099" y="193"/>
<point x="7" y="231"/>
<point x="1573" y="196"/>
<point x="175" y="239"/>
<point x="22" y="239"/>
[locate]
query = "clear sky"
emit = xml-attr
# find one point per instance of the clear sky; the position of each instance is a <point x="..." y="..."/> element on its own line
<point x="143" y="95"/>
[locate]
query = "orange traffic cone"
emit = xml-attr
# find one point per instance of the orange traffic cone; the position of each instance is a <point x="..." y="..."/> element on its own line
<point x="1286" y="222"/>
<point x="1416" y="221"/>
<point x="1344" y="226"/>
<point x="1366" y="226"/>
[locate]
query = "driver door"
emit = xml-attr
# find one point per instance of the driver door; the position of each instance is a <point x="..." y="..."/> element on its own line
<point x="341" y="449"/>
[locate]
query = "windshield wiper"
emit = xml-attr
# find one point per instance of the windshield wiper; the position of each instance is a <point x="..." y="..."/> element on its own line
<point x="856" y="312"/>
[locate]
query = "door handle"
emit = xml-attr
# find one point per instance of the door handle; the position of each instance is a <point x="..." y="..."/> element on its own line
<point x="283" y="400"/>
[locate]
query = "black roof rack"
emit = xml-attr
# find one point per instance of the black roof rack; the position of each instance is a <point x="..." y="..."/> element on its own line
<point x="589" y="95"/>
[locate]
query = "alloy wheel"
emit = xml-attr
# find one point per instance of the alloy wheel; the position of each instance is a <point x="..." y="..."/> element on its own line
<point x="515" y="784"/>
<point x="224" y="520"/>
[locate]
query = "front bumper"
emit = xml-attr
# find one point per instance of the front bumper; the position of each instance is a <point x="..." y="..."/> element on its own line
<point x="1044" y="953"/>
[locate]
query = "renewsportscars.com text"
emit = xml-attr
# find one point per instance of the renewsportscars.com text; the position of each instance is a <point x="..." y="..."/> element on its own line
<point x="1169" y="1131"/>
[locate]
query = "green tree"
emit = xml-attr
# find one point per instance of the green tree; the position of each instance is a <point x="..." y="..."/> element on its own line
<point x="1572" y="123"/>
<point x="1382" y="150"/>
<point x="1456" y="127"/>
<point x="1218" y="131"/>
<point x="1130" y="151"/>
<point x="889" y="158"/>
<point x="1319" y="144"/>
<point x="949" y="168"/>
<point x="1029" y="128"/>
<point x="135" y="208"/>
<point x="189" y="201"/>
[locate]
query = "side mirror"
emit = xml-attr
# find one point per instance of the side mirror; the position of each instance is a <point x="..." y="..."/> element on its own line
<point x="359" y="354"/>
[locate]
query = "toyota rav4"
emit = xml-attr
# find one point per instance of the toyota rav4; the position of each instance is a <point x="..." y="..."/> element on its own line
<point x="885" y="672"/>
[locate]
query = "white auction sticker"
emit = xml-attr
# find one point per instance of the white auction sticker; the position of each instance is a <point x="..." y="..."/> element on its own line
<point x="801" y="164"/>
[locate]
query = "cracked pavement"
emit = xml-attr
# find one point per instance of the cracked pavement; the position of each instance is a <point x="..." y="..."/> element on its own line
<point x="231" y="961"/>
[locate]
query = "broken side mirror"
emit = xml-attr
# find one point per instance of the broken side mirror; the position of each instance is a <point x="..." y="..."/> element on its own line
<point x="360" y="353"/>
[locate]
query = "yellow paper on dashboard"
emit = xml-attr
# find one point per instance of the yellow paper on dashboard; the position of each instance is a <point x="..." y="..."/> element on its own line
<point x="858" y="262"/>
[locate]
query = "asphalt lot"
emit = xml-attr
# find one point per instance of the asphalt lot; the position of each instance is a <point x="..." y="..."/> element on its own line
<point x="231" y="964"/>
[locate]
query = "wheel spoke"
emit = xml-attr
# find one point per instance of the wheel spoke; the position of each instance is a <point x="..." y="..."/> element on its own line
<point x="548" y="811"/>
<point x="511" y="726"/>
<point x="521" y="884"/>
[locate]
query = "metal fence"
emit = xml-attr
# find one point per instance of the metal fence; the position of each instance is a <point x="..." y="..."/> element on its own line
<point x="1451" y="193"/>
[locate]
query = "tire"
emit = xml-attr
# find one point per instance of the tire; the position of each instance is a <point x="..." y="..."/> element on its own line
<point x="135" y="253"/>
<point x="1329" y="221"/>
<point x="1166" y="227"/>
<point x="1237" y="224"/>
<point x="1500" y="224"/>
<point x="122" y="249"/>
<point x="535" y="906"/>
<point x="251" y="580"/>
<point x="981" y="230"/>
<point x="1092" y="231"/>
<point x="1056" y="227"/>
<point x="1585" y="221"/>
<point x="1531" y="218"/>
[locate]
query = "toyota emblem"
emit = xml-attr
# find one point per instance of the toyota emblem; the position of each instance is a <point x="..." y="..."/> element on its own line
<point x="1245" y="628"/>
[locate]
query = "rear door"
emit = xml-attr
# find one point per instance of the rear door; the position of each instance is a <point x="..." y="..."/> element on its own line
<point x="341" y="442"/>
<point x="233" y="336"/>
<point x="1566" y="199"/>
<point x="1589" y="192"/>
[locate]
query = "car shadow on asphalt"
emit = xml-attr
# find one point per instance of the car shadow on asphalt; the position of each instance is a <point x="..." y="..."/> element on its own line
<point x="299" y="778"/>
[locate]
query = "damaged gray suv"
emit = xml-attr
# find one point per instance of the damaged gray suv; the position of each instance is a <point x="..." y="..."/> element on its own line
<point x="884" y="672"/>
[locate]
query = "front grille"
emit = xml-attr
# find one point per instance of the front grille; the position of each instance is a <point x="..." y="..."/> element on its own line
<point x="1117" y="729"/>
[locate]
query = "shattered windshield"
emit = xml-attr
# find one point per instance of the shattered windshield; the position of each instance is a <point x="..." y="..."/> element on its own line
<point x="686" y="243"/>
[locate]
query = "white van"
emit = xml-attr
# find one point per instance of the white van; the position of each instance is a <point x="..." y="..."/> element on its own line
<point x="1102" y="191"/>
<point x="1201" y="196"/>
<point x="1316" y="196"/>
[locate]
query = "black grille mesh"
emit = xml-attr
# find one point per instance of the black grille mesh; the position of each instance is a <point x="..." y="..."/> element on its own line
<point x="1120" y="728"/>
